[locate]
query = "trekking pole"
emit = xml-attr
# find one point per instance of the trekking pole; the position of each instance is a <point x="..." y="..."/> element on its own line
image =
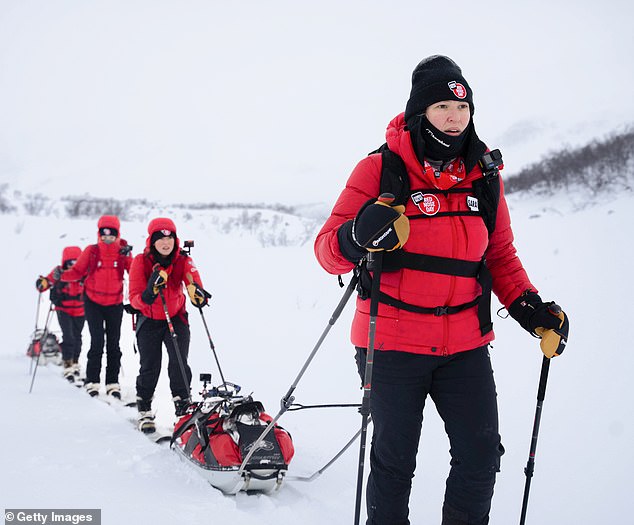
<point x="37" y="318"/>
<point x="288" y="399"/>
<point x="554" y="309"/>
<point x="530" y="465"/>
<point x="211" y="343"/>
<point x="43" y="338"/>
<point x="37" y="310"/>
<point x="170" y="326"/>
<point x="377" y="260"/>
<point x="213" y="348"/>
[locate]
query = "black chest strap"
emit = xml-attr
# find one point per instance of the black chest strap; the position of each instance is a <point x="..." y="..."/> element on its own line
<point x="441" y="265"/>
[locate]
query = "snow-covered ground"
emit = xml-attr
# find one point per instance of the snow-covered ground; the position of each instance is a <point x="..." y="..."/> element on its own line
<point x="60" y="448"/>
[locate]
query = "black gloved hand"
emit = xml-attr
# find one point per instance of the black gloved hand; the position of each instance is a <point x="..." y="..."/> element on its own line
<point x="158" y="279"/>
<point x="125" y="250"/>
<point x="377" y="227"/>
<point x="129" y="309"/>
<point x="544" y="320"/>
<point x="57" y="273"/>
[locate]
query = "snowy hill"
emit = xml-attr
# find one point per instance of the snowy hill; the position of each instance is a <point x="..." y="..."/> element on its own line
<point x="62" y="449"/>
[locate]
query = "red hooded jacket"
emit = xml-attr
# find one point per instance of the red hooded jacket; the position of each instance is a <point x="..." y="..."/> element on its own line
<point x="67" y="297"/>
<point x="103" y="266"/>
<point x="457" y="237"/>
<point x="180" y="272"/>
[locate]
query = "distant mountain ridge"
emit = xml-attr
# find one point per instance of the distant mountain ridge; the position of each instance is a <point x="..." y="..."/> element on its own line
<point x="603" y="165"/>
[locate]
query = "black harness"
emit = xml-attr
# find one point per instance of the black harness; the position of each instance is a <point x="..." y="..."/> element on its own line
<point x="485" y="193"/>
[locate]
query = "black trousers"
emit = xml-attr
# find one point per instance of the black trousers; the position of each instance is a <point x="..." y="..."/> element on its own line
<point x="104" y="323"/>
<point x="151" y="334"/>
<point x="71" y="335"/>
<point x="463" y="390"/>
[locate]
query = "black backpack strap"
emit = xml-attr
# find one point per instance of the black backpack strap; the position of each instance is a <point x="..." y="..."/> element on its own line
<point x="398" y="259"/>
<point x="478" y="270"/>
<point x="394" y="177"/>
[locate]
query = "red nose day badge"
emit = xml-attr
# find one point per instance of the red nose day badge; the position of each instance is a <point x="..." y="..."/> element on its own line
<point x="458" y="89"/>
<point x="427" y="203"/>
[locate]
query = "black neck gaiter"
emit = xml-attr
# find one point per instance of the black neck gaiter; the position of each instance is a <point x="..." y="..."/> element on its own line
<point x="164" y="261"/>
<point x="430" y="142"/>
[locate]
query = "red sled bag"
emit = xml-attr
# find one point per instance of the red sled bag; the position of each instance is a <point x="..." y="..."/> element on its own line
<point x="44" y="342"/>
<point x="217" y="436"/>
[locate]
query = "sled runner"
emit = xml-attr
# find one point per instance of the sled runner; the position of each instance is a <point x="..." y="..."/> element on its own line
<point x="219" y="431"/>
<point x="46" y="345"/>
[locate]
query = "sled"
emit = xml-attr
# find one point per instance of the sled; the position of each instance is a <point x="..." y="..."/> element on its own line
<point x="45" y="345"/>
<point x="218" y="432"/>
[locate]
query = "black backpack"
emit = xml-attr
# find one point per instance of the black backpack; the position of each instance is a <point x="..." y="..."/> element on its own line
<point x="484" y="196"/>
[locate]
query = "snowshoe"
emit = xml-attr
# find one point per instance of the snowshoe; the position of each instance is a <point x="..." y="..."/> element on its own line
<point x="92" y="389"/>
<point x="219" y="433"/>
<point x="114" y="390"/>
<point x="69" y="371"/>
<point x="146" y="422"/>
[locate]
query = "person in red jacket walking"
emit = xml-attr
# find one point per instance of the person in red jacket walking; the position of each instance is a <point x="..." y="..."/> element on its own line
<point x="68" y="301"/>
<point x="101" y="266"/>
<point x="446" y="243"/>
<point x="157" y="279"/>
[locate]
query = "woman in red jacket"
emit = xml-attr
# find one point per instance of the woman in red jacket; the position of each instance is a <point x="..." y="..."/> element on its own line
<point x="101" y="266"/>
<point x="68" y="301"/>
<point x="446" y="243"/>
<point x="163" y="268"/>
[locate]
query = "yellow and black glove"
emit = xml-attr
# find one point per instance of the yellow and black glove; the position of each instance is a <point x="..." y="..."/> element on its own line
<point x="158" y="279"/>
<point x="42" y="284"/>
<point x="379" y="226"/>
<point x="198" y="296"/>
<point x="544" y="320"/>
<point x="554" y="339"/>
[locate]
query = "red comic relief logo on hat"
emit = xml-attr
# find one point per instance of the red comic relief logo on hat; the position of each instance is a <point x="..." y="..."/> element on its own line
<point x="457" y="89"/>
<point x="427" y="203"/>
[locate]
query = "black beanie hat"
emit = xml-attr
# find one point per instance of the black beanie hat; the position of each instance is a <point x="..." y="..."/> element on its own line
<point x="159" y="234"/>
<point x="434" y="79"/>
<point x="108" y="231"/>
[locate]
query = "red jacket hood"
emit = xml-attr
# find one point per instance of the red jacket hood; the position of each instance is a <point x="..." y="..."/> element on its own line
<point x="70" y="252"/>
<point x="109" y="221"/>
<point x="161" y="223"/>
<point x="399" y="141"/>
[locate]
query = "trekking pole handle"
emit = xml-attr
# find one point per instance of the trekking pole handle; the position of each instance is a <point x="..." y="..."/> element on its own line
<point x="554" y="309"/>
<point x="387" y="198"/>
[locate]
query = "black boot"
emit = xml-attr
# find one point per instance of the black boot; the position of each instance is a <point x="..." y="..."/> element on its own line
<point x="143" y="405"/>
<point x="181" y="405"/>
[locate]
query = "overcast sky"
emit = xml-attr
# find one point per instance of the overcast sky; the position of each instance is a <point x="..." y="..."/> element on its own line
<point x="277" y="101"/>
